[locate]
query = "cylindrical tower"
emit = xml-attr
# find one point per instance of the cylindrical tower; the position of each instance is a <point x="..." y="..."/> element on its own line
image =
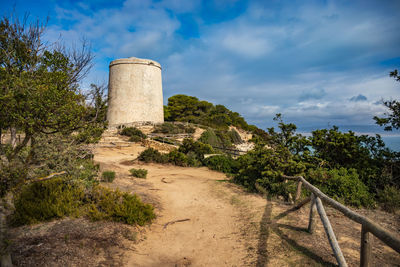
<point x="134" y="92"/>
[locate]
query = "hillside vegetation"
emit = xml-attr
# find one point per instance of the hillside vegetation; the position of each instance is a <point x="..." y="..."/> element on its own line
<point x="191" y="109"/>
<point x="355" y="170"/>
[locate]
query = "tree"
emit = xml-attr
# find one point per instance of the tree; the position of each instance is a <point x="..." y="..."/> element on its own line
<point x="39" y="83"/>
<point x="392" y="118"/>
<point x="182" y="106"/>
<point x="335" y="147"/>
<point x="95" y="119"/>
<point x="287" y="137"/>
<point x="191" y="109"/>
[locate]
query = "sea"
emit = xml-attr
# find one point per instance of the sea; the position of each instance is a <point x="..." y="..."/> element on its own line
<point x="391" y="138"/>
<point x="392" y="142"/>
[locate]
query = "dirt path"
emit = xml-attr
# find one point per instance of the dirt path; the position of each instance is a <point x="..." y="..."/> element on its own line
<point x="210" y="233"/>
<point x="203" y="220"/>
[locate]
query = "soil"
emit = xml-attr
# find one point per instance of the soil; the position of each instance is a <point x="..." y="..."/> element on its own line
<point x="202" y="220"/>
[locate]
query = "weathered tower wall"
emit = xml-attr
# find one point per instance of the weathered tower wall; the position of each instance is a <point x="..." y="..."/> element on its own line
<point x="134" y="92"/>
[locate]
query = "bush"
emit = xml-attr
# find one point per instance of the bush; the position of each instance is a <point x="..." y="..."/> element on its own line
<point x="86" y="171"/>
<point x="198" y="148"/>
<point x="264" y="167"/>
<point x="389" y="198"/>
<point x="107" y="204"/>
<point x="135" y="138"/>
<point x="56" y="153"/>
<point x="171" y="128"/>
<point x="342" y="185"/>
<point x="178" y="158"/>
<point x="134" y="133"/>
<point x="57" y="198"/>
<point x="11" y="174"/>
<point x="221" y="163"/>
<point x="216" y="138"/>
<point x="234" y="137"/>
<point x="139" y="173"/>
<point x="43" y="201"/>
<point x="193" y="160"/>
<point x="108" y="176"/>
<point x="153" y="155"/>
<point x="91" y="133"/>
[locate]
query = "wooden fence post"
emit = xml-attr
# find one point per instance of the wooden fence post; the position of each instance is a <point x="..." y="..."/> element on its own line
<point x="368" y="226"/>
<point x="311" y="220"/>
<point x="329" y="232"/>
<point x="298" y="191"/>
<point x="365" y="253"/>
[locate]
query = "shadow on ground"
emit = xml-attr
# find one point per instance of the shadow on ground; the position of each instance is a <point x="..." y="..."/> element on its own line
<point x="270" y="224"/>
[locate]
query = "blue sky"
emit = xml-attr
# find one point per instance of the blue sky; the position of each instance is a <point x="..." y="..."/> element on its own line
<point x="319" y="63"/>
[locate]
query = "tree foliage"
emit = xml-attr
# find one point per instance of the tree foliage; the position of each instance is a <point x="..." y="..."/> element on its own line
<point x="39" y="84"/>
<point x="350" y="168"/>
<point x="392" y="118"/>
<point x="191" y="109"/>
<point x="222" y="163"/>
<point x="264" y="167"/>
<point x="41" y="99"/>
<point x="342" y="184"/>
<point x="287" y="137"/>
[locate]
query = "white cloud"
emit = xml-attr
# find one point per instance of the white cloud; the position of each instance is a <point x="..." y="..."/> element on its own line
<point x="305" y="61"/>
<point x="248" y="43"/>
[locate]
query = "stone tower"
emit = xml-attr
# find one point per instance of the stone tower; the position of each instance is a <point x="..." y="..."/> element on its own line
<point x="134" y="92"/>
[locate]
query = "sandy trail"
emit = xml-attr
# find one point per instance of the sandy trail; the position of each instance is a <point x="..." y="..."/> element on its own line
<point x="222" y="225"/>
<point x="211" y="233"/>
<point x="225" y="226"/>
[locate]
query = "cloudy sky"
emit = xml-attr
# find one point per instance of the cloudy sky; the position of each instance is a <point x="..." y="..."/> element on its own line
<point x="319" y="63"/>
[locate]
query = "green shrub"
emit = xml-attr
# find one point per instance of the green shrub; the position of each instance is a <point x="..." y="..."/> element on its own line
<point x="171" y="128"/>
<point x="221" y="163"/>
<point x="389" y="198"/>
<point x="91" y="133"/>
<point x="216" y="138"/>
<point x="209" y="137"/>
<point x="234" y="137"/>
<point x="57" y="198"/>
<point x="56" y="153"/>
<point x="342" y="185"/>
<point x="43" y="201"/>
<point x="265" y="168"/>
<point x="193" y="160"/>
<point x="108" y="176"/>
<point x="11" y="174"/>
<point x="86" y="172"/>
<point x="198" y="148"/>
<point x="134" y="134"/>
<point x="153" y="155"/>
<point x="220" y="138"/>
<point x="139" y="173"/>
<point x="178" y="158"/>
<point x="135" y="138"/>
<point x="107" y="204"/>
